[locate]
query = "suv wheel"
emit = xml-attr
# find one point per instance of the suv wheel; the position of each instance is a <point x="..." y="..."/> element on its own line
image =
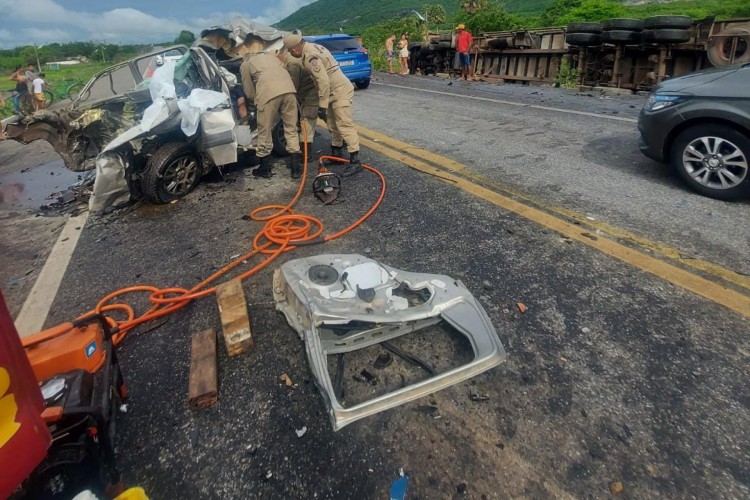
<point x="714" y="160"/>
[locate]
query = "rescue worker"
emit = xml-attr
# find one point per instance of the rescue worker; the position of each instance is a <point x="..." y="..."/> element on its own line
<point x="335" y="94"/>
<point x="307" y="96"/>
<point x="267" y="84"/>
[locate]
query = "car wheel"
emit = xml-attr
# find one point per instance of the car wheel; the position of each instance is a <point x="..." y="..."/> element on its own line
<point x="363" y="84"/>
<point x="714" y="160"/>
<point x="172" y="172"/>
<point x="279" y="140"/>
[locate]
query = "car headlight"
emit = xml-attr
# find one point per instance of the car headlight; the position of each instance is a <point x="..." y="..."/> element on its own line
<point x="660" y="101"/>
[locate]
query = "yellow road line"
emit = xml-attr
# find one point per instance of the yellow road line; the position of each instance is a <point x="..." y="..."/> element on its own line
<point x="722" y="295"/>
<point x="644" y="243"/>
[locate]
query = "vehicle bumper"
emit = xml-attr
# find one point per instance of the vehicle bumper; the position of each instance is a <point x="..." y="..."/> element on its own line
<point x="655" y="128"/>
<point x="358" y="75"/>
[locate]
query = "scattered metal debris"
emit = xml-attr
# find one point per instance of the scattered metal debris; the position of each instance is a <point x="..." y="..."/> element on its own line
<point x="301" y="432"/>
<point x="399" y="486"/>
<point x="342" y="303"/>
<point x="383" y="360"/>
<point x="475" y="396"/>
<point x="288" y="381"/>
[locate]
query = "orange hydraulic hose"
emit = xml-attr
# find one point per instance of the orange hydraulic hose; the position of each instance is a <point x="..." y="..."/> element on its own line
<point x="283" y="231"/>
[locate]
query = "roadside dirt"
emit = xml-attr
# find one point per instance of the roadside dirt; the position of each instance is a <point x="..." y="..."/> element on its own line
<point x="28" y="176"/>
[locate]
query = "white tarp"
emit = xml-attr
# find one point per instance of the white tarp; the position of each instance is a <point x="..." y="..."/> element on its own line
<point x="198" y="102"/>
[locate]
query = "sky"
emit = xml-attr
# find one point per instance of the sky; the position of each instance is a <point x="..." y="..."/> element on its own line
<point x="24" y="22"/>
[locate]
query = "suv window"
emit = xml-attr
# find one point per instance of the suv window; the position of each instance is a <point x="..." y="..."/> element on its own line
<point x="340" y="45"/>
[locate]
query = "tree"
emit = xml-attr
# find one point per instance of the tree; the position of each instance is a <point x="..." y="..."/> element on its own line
<point x="556" y="10"/>
<point x="492" y="17"/>
<point x="593" y="10"/>
<point x="473" y="6"/>
<point x="434" y="13"/>
<point x="185" y="38"/>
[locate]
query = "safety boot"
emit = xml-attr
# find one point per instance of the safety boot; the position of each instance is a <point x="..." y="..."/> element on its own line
<point x="309" y="151"/>
<point x="295" y="165"/>
<point x="354" y="166"/>
<point x="337" y="151"/>
<point x="265" y="168"/>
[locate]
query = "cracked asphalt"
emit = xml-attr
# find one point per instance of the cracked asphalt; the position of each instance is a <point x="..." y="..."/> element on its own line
<point x="612" y="374"/>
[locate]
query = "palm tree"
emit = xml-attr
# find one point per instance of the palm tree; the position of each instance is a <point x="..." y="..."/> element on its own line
<point x="473" y="6"/>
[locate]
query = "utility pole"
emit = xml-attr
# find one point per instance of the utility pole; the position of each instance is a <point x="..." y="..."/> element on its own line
<point x="36" y="51"/>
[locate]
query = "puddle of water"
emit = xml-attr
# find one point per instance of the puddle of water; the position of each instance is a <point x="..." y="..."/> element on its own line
<point x="36" y="186"/>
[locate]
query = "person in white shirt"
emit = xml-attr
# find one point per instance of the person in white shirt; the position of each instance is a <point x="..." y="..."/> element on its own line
<point x="39" y="85"/>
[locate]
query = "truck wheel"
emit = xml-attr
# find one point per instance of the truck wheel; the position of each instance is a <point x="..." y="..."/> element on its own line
<point x="668" y="22"/>
<point x="594" y="28"/>
<point x="171" y="173"/>
<point x="497" y="43"/>
<point x="719" y="50"/>
<point x="713" y="160"/>
<point x="621" y="36"/>
<point x="583" y="39"/>
<point x="666" y="36"/>
<point x="623" y="24"/>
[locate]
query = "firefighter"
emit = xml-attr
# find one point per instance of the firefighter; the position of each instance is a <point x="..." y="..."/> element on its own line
<point x="335" y="94"/>
<point x="307" y="96"/>
<point x="267" y="84"/>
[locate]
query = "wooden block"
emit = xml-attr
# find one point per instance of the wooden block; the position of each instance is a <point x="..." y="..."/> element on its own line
<point x="203" y="388"/>
<point x="234" y="318"/>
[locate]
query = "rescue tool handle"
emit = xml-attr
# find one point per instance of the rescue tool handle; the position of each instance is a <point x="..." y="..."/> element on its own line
<point x="61" y="329"/>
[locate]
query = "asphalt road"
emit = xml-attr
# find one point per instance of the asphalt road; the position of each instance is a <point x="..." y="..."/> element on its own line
<point x="612" y="374"/>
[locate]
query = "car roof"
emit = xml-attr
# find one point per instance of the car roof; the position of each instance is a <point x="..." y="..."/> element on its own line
<point x="315" y="38"/>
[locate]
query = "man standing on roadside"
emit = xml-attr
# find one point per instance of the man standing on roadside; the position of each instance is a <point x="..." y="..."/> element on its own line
<point x="267" y="84"/>
<point x="335" y="95"/>
<point x="389" y="52"/>
<point x="463" y="46"/>
<point x="38" y="85"/>
<point x="30" y="76"/>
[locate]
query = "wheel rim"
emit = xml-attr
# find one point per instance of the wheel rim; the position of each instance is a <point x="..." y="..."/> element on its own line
<point x="715" y="162"/>
<point x="180" y="175"/>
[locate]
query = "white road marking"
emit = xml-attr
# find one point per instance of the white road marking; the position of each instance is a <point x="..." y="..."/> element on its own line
<point x="36" y="308"/>
<point x="512" y="103"/>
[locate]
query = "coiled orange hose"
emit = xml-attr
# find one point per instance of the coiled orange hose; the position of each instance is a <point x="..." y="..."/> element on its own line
<point x="284" y="231"/>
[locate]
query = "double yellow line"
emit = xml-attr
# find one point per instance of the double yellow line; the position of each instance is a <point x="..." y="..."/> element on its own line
<point x="670" y="264"/>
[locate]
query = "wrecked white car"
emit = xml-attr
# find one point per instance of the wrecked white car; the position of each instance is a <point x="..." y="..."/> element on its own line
<point x="153" y="125"/>
<point x="344" y="304"/>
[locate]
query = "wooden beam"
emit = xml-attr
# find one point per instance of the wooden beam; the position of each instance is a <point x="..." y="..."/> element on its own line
<point x="203" y="388"/>
<point x="234" y="318"/>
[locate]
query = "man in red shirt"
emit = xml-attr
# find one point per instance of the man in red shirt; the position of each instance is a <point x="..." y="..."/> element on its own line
<point x="463" y="46"/>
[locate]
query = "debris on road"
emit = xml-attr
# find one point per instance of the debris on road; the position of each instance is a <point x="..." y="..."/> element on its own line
<point x="343" y="303"/>
<point x="301" y="432"/>
<point x="522" y="307"/>
<point x="461" y="488"/>
<point x="616" y="488"/>
<point x="383" y="360"/>
<point x="288" y="381"/>
<point x="475" y="396"/>
<point x="203" y="386"/>
<point x="235" y="320"/>
<point x="399" y="486"/>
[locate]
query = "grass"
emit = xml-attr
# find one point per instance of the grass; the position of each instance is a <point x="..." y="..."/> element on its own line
<point x="59" y="78"/>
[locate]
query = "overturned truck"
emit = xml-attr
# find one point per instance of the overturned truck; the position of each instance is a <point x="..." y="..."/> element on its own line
<point x="623" y="53"/>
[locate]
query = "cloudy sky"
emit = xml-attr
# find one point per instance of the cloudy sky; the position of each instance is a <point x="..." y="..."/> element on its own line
<point x="125" y="21"/>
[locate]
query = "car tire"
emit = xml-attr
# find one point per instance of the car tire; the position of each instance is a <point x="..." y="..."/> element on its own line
<point x="279" y="140"/>
<point x="622" y="24"/>
<point x="666" y="36"/>
<point x="692" y="168"/>
<point x="363" y="84"/>
<point x="621" y="37"/>
<point x="172" y="172"/>
<point x="583" y="39"/>
<point x="593" y="28"/>
<point x="668" y="22"/>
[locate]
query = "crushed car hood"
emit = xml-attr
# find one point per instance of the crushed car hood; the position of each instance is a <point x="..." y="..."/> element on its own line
<point x="342" y="303"/>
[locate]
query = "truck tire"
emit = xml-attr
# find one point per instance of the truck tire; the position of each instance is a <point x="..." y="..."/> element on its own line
<point x="623" y="24"/>
<point x="434" y="46"/>
<point x="621" y="37"/>
<point x="445" y="38"/>
<point x="171" y="172"/>
<point x="594" y="28"/>
<point x="666" y="36"/>
<point x="668" y="22"/>
<point x="497" y="43"/>
<point x="583" y="39"/>
<point x="719" y="49"/>
<point x="723" y="181"/>
<point x="444" y="45"/>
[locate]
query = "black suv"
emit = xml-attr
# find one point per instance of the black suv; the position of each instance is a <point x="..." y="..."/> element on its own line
<point x="700" y="123"/>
